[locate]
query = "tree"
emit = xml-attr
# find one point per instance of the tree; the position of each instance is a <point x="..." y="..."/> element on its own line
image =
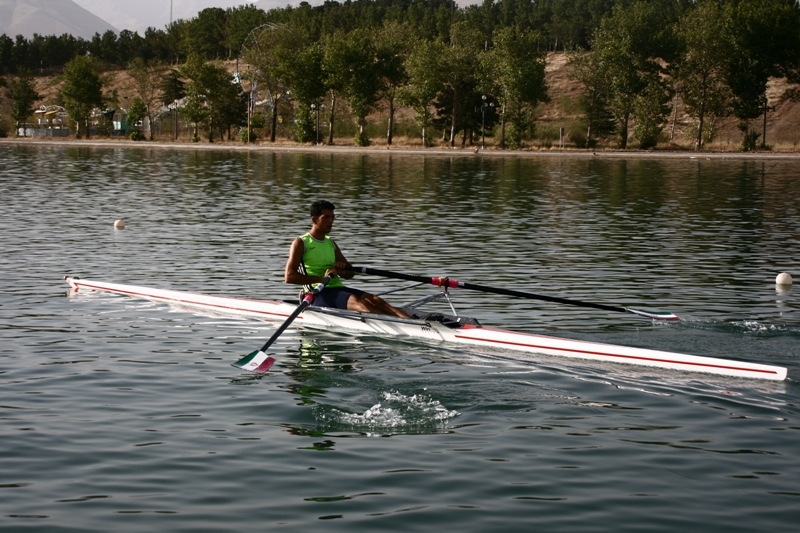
<point x="306" y="81"/>
<point x="652" y="110"/>
<point x="172" y="90"/>
<point x="269" y="52"/>
<point x="172" y="87"/>
<point x="136" y="114"/>
<point x="82" y="91"/>
<point x="241" y="21"/>
<point x="23" y="95"/>
<point x="204" y="35"/>
<point x="629" y="43"/>
<point x="423" y="84"/>
<point x="458" y="79"/>
<point x="765" y="42"/>
<point x="212" y="97"/>
<point x="702" y="67"/>
<point x="147" y="79"/>
<point x="586" y="69"/>
<point x="516" y="78"/>
<point x="350" y="64"/>
<point x="392" y="47"/>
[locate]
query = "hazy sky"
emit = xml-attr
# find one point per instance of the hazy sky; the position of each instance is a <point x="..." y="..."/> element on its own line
<point x="138" y="15"/>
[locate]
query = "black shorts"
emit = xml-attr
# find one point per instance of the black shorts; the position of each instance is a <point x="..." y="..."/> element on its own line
<point x="336" y="297"/>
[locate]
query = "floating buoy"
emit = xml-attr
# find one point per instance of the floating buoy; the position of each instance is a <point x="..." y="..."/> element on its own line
<point x="784" y="278"/>
<point x="119" y="224"/>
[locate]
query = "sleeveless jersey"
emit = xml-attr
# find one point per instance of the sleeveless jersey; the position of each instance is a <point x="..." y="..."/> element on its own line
<point x="318" y="256"/>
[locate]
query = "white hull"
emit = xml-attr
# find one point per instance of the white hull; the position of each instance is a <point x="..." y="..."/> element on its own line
<point x="467" y="334"/>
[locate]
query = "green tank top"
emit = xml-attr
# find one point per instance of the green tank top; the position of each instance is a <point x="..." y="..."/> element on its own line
<point x="318" y="256"/>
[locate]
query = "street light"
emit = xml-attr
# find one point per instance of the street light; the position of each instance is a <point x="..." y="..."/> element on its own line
<point x="317" y="108"/>
<point x="483" y="122"/>
<point x="484" y="106"/>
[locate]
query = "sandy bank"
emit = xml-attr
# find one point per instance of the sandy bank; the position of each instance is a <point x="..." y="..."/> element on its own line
<point x="410" y="151"/>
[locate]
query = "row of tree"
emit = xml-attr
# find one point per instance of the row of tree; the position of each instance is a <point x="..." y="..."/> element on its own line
<point x="219" y="33"/>
<point x="642" y="58"/>
<point x="716" y="58"/>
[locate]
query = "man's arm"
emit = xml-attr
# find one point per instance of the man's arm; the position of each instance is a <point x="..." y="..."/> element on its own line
<point x="342" y="264"/>
<point x="291" y="273"/>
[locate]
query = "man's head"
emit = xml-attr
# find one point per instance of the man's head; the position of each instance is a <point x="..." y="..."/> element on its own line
<point x="318" y="206"/>
<point x="322" y="218"/>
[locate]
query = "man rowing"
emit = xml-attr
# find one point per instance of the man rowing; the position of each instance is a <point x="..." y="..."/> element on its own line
<point x="314" y="255"/>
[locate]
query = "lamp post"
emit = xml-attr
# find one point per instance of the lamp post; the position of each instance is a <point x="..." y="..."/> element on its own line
<point x="484" y="107"/>
<point x="483" y="122"/>
<point x="315" y="108"/>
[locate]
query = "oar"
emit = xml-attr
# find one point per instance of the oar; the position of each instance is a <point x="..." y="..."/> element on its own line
<point x="258" y="361"/>
<point x="453" y="284"/>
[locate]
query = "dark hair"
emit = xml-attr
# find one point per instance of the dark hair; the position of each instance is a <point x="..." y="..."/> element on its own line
<point x="319" y="206"/>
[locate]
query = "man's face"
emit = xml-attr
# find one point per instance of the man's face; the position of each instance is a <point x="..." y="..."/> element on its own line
<point x="324" y="221"/>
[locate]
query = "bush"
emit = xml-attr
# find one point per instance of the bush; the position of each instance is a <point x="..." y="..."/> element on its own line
<point x="362" y="139"/>
<point x="243" y="135"/>
<point x="577" y="134"/>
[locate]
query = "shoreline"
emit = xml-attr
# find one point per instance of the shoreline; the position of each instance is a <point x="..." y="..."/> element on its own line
<point x="410" y="151"/>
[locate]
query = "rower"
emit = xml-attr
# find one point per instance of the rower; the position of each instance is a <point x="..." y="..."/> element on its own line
<point x="314" y="255"/>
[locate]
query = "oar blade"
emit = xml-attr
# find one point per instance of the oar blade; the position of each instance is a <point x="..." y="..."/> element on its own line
<point x="655" y="315"/>
<point x="257" y="362"/>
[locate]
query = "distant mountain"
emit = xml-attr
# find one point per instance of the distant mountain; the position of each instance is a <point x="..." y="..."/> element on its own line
<point x="49" y="17"/>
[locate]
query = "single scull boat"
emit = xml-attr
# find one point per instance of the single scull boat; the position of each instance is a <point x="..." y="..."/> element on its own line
<point x="450" y="329"/>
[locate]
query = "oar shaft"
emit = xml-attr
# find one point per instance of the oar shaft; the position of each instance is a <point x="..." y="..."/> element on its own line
<point x="288" y="322"/>
<point x="308" y="299"/>
<point x="555" y="299"/>
<point x="452" y="284"/>
<point x="258" y="361"/>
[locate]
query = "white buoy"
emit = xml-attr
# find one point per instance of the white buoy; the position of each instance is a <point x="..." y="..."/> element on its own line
<point x="784" y="278"/>
<point x="119" y="224"/>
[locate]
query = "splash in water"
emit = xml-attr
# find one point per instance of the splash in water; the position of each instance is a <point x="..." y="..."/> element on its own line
<point x="396" y="413"/>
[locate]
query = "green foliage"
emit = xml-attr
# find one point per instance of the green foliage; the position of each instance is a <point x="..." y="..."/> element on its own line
<point x="172" y="87"/>
<point x="440" y="60"/>
<point x="703" y="66"/>
<point x="351" y="67"/>
<point x="586" y="68"/>
<point x="269" y="53"/>
<point x="204" y="36"/>
<point x="652" y="110"/>
<point x="423" y="84"/>
<point x="304" y="125"/>
<point x="244" y="138"/>
<point x="213" y="100"/>
<point x="82" y="91"/>
<point x="627" y="44"/>
<point x="136" y="112"/>
<point x="148" y="77"/>
<point x="362" y="138"/>
<point x="514" y="72"/>
<point x="23" y="95"/>
<point x="764" y="41"/>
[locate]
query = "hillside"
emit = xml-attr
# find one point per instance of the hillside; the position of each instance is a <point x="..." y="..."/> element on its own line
<point x="783" y="131"/>
<point x="49" y="17"/>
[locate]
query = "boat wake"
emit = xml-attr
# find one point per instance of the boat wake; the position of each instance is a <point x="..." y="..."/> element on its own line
<point x="745" y="327"/>
<point x="395" y="414"/>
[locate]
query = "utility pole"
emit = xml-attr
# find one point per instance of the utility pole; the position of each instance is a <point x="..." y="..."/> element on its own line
<point x="170" y="12"/>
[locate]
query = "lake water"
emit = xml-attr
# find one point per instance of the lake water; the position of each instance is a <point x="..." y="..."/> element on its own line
<point x="119" y="414"/>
